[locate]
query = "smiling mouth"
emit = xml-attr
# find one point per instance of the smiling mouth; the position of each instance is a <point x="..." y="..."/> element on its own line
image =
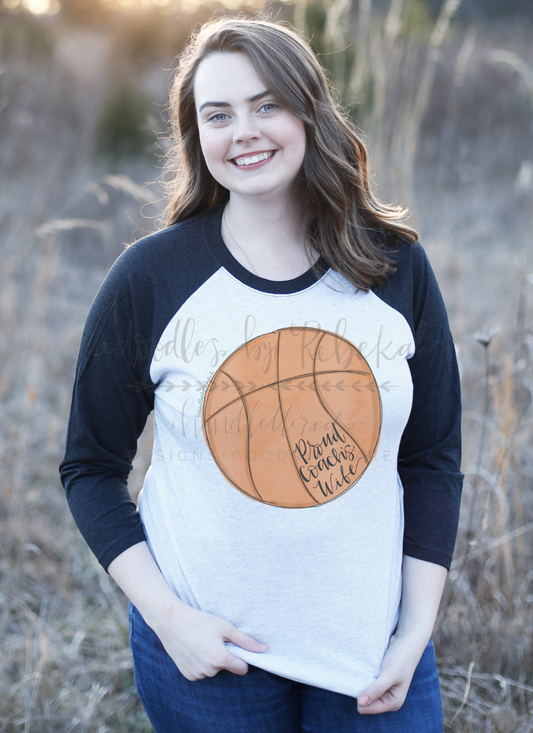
<point x="252" y="159"/>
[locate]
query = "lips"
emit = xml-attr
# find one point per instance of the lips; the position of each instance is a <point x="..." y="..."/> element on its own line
<point x="252" y="159"/>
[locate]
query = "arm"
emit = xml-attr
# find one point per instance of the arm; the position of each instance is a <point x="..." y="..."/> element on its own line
<point x="430" y="450"/>
<point x="429" y="458"/>
<point x="429" y="468"/>
<point x="192" y="638"/>
<point x="423" y="583"/>
<point x="107" y="415"/>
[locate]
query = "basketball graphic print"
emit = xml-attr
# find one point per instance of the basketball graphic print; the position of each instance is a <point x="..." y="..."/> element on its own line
<point x="292" y="418"/>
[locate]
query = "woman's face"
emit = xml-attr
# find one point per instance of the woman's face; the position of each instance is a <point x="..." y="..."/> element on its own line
<point x="252" y="145"/>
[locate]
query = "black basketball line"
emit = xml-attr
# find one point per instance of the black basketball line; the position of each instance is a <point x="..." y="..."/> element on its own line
<point x="285" y="427"/>
<point x="287" y="379"/>
<point x="329" y="413"/>
<point x="247" y="436"/>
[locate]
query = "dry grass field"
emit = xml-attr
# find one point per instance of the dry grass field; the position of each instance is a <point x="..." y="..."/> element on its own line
<point x="448" y="110"/>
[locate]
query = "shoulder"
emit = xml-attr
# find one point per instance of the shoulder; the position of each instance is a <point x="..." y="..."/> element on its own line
<point x="413" y="288"/>
<point x="408" y="258"/>
<point x="154" y="252"/>
<point x="411" y="260"/>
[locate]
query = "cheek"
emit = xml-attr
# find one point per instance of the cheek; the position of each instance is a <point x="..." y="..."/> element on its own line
<point x="299" y="139"/>
<point x="299" y="156"/>
<point x="212" y="149"/>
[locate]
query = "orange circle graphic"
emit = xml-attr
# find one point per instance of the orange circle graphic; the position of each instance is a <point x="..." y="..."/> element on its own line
<point x="292" y="418"/>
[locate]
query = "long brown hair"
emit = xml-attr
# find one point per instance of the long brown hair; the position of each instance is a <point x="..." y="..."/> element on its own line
<point x="346" y="223"/>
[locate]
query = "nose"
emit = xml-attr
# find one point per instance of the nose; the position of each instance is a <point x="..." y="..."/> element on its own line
<point x="245" y="129"/>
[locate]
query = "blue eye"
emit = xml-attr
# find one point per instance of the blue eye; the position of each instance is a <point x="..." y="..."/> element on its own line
<point x="268" y="107"/>
<point x="218" y="117"/>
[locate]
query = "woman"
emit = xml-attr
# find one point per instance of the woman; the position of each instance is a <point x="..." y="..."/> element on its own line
<point x="292" y="340"/>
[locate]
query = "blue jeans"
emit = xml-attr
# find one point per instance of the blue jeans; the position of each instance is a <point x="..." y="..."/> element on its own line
<point x="262" y="702"/>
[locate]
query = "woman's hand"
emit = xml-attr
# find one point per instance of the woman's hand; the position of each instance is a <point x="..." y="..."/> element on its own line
<point x="422" y="585"/>
<point x="389" y="691"/>
<point x="195" y="642"/>
<point x="193" y="639"/>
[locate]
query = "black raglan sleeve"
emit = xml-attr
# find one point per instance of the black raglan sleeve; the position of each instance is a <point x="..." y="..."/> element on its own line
<point x="111" y="400"/>
<point x="430" y="450"/>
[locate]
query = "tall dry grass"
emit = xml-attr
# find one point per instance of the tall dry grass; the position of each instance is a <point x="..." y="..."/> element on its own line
<point x="448" y="112"/>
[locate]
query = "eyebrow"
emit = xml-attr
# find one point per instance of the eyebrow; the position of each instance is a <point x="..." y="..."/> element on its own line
<point x="248" y="100"/>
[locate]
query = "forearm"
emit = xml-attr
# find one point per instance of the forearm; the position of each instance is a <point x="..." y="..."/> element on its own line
<point x="422" y="586"/>
<point x="137" y="574"/>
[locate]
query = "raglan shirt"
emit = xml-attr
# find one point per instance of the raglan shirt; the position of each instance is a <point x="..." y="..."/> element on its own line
<point x="306" y="436"/>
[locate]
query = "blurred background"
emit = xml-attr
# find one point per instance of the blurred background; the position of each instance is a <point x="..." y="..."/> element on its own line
<point x="443" y="91"/>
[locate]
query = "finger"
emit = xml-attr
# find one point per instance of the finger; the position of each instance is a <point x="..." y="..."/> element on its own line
<point x="385" y="704"/>
<point x="236" y="665"/>
<point x="374" y="691"/>
<point x="225" y="661"/>
<point x="245" y="641"/>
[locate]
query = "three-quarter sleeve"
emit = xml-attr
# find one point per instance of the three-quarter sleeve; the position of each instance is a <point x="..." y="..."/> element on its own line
<point x="430" y="450"/>
<point x="111" y="401"/>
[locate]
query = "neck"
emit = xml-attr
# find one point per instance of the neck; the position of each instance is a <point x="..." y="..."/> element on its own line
<point x="266" y="229"/>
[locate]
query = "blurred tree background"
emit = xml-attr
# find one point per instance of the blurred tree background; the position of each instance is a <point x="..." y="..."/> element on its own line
<point x="443" y="92"/>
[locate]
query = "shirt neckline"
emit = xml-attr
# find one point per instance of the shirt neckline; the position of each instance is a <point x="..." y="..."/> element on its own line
<point x="217" y="245"/>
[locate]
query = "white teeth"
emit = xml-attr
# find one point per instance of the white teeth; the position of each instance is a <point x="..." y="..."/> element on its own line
<point x="253" y="159"/>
